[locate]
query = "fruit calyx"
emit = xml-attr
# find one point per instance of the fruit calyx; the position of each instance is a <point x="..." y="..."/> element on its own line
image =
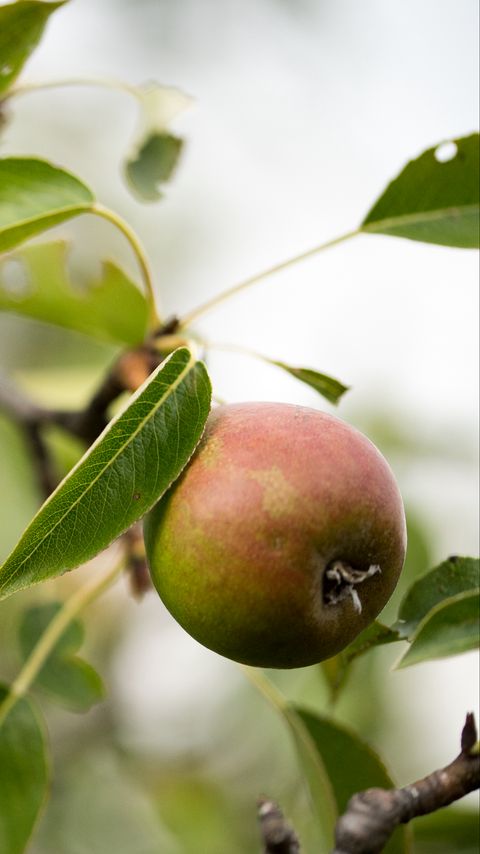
<point x="341" y="580"/>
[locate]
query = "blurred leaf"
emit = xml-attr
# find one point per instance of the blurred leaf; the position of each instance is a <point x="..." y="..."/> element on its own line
<point x="156" y="151"/>
<point x="433" y="199"/>
<point x="23" y="774"/>
<point x="21" y="28"/>
<point x="328" y="387"/>
<point x="136" y="458"/>
<point x="417" y="561"/>
<point x="64" y="449"/>
<point x="321" y="795"/>
<point x="351" y="765"/>
<point x="213" y="824"/>
<point x="99" y="807"/>
<point x="35" y="282"/>
<point x="336" y="669"/>
<point x="34" y="196"/>
<point x="455" y="575"/>
<point x="450" y="628"/>
<point x="66" y="677"/>
<point x="447" y="830"/>
<point x="19" y="485"/>
<point x="153" y="165"/>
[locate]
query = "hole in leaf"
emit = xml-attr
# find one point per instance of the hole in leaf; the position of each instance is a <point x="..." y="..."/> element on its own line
<point x="15" y="280"/>
<point x="446" y="151"/>
<point x="5" y="70"/>
<point x="81" y="270"/>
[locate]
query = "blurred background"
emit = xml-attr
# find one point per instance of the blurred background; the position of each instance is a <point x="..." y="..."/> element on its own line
<point x="303" y="111"/>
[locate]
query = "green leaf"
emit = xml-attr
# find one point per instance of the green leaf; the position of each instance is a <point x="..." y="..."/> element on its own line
<point x="321" y="795"/>
<point x="67" y="678"/>
<point x="337" y="669"/>
<point x="316" y="775"/>
<point x="34" y="196"/>
<point x="455" y="575"/>
<point x="450" y="628"/>
<point x="153" y="165"/>
<point x="328" y="387"/>
<point x="134" y="461"/>
<point x="35" y="282"/>
<point x="101" y="805"/>
<point x="21" y="28"/>
<point x="351" y="765"/>
<point x="156" y="151"/>
<point x="23" y="774"/>
<point x="435" y="200"/>
<point x="446" y="830"/>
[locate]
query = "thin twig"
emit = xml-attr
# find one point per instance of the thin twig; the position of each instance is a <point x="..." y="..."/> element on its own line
<point x="220" y="298"/>
<point x="140" y="254"/>
<point x="372" y="815"/>
<point x="137" y="566"/>
<point x="278" y="836"/>
<point x="30" y="417"/>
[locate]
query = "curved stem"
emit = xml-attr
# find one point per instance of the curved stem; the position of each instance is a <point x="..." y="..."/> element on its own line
<point x="234" y="348"/>
<point x="259" y="277"/>
<point x="104" y="83"/>
<point x="47" y="641"/>
<point x="140" y="254"/>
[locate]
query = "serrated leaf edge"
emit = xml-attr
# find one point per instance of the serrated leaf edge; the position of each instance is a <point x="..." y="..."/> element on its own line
<point x="445" y="603"/>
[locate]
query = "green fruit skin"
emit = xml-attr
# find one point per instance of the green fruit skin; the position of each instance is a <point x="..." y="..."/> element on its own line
<point x="239" y="545"/>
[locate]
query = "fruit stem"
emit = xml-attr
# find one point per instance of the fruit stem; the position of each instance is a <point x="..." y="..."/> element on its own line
<point x="259" y="277"/>
<point x="45" y="644"/>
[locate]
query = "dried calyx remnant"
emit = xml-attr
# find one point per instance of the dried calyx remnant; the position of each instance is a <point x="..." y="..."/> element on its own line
<point x="341" y="580"/>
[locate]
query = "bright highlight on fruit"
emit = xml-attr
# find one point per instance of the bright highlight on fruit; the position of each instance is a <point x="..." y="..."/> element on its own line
<point x="283" y="538"/>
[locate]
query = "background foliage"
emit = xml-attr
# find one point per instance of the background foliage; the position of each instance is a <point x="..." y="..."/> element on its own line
<point x="167" y="760"/>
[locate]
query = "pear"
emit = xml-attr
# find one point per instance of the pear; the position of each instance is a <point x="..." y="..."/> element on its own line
<point x="283" y="538"/>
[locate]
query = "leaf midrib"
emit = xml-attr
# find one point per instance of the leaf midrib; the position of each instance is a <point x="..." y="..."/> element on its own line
<point x="422" y="216"/>
<point x="171" y="389"/>
<point x="21" y="223"/>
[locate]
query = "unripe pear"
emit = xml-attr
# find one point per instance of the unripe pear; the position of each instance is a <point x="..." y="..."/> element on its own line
<point x="283" y="538"/>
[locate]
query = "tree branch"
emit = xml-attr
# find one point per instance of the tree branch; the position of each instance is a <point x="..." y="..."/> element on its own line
<point x="372" y="816"/>
<point x="277" y="835"/>
<point x="30" y="417"/>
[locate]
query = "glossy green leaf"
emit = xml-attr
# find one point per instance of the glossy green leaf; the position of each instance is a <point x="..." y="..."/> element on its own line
<point x="21" y="28"/>
<point x="450" y="628"/>
<point x="336" y="670"/>
<point x="34" y="196"/>
<point x="136" y="458"/>
<point x="35" y="282"/>
<point x="435" y="199"/>
<point x="23" y="774"/>
<point x="156" y="151"/>
<point x="455" y="575"/>
<point x="316" y="778"/>
<point x="65" y="677"/>
<point x="351" y="765"/>
<point x="328" y="387"/>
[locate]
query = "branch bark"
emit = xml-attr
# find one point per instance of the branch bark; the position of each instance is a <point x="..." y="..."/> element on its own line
<point x="372" y="816"/>
<point x="277" y="835"/>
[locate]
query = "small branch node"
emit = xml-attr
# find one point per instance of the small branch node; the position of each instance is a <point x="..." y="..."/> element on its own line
<point x="277" y="835"/>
